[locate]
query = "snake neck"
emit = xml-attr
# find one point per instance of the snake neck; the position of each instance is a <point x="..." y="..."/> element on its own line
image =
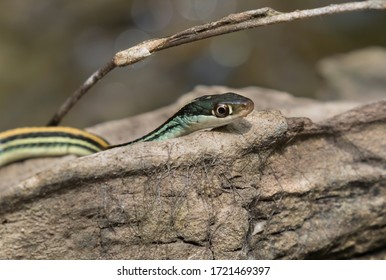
<point x="175" y="127"/>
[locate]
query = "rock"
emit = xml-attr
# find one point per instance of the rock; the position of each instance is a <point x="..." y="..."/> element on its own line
<point x="359" y="75"/>
<point x="288" y="184"/>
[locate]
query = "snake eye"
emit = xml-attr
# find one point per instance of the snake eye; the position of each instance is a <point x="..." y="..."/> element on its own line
<point x="221" y="110"/>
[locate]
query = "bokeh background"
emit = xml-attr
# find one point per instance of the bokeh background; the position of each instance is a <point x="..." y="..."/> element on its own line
<point x="48" y="48"/>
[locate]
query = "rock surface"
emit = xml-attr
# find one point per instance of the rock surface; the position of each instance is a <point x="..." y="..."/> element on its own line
<point x="305" y="182"/>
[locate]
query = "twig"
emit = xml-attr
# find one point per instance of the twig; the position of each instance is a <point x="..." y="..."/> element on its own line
<point x="78" y="94"/>
<point x="228" y="24"/>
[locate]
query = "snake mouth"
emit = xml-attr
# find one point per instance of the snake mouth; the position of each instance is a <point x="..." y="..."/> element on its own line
<point x="246" y="107"/>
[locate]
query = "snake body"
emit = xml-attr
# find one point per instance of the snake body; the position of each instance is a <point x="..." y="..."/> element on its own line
<point x="204" y="112"/>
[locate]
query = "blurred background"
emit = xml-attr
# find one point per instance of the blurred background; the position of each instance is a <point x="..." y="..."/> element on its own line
<point x="48" y="48"/>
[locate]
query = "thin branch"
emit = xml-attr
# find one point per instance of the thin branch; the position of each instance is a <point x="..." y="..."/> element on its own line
<point x="78" y="94"/>
<point x="228" y="24"/>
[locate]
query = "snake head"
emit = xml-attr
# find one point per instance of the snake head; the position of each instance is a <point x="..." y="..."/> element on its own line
<point x="210" y="111"/>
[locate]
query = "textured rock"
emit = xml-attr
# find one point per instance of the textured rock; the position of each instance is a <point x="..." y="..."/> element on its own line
<point x="271" y="186"/>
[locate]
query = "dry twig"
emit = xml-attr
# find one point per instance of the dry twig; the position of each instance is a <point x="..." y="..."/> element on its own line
<point x="228" y="24"/>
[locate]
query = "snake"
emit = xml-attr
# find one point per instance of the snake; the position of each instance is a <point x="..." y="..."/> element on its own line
<point x="204" y="112"/>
